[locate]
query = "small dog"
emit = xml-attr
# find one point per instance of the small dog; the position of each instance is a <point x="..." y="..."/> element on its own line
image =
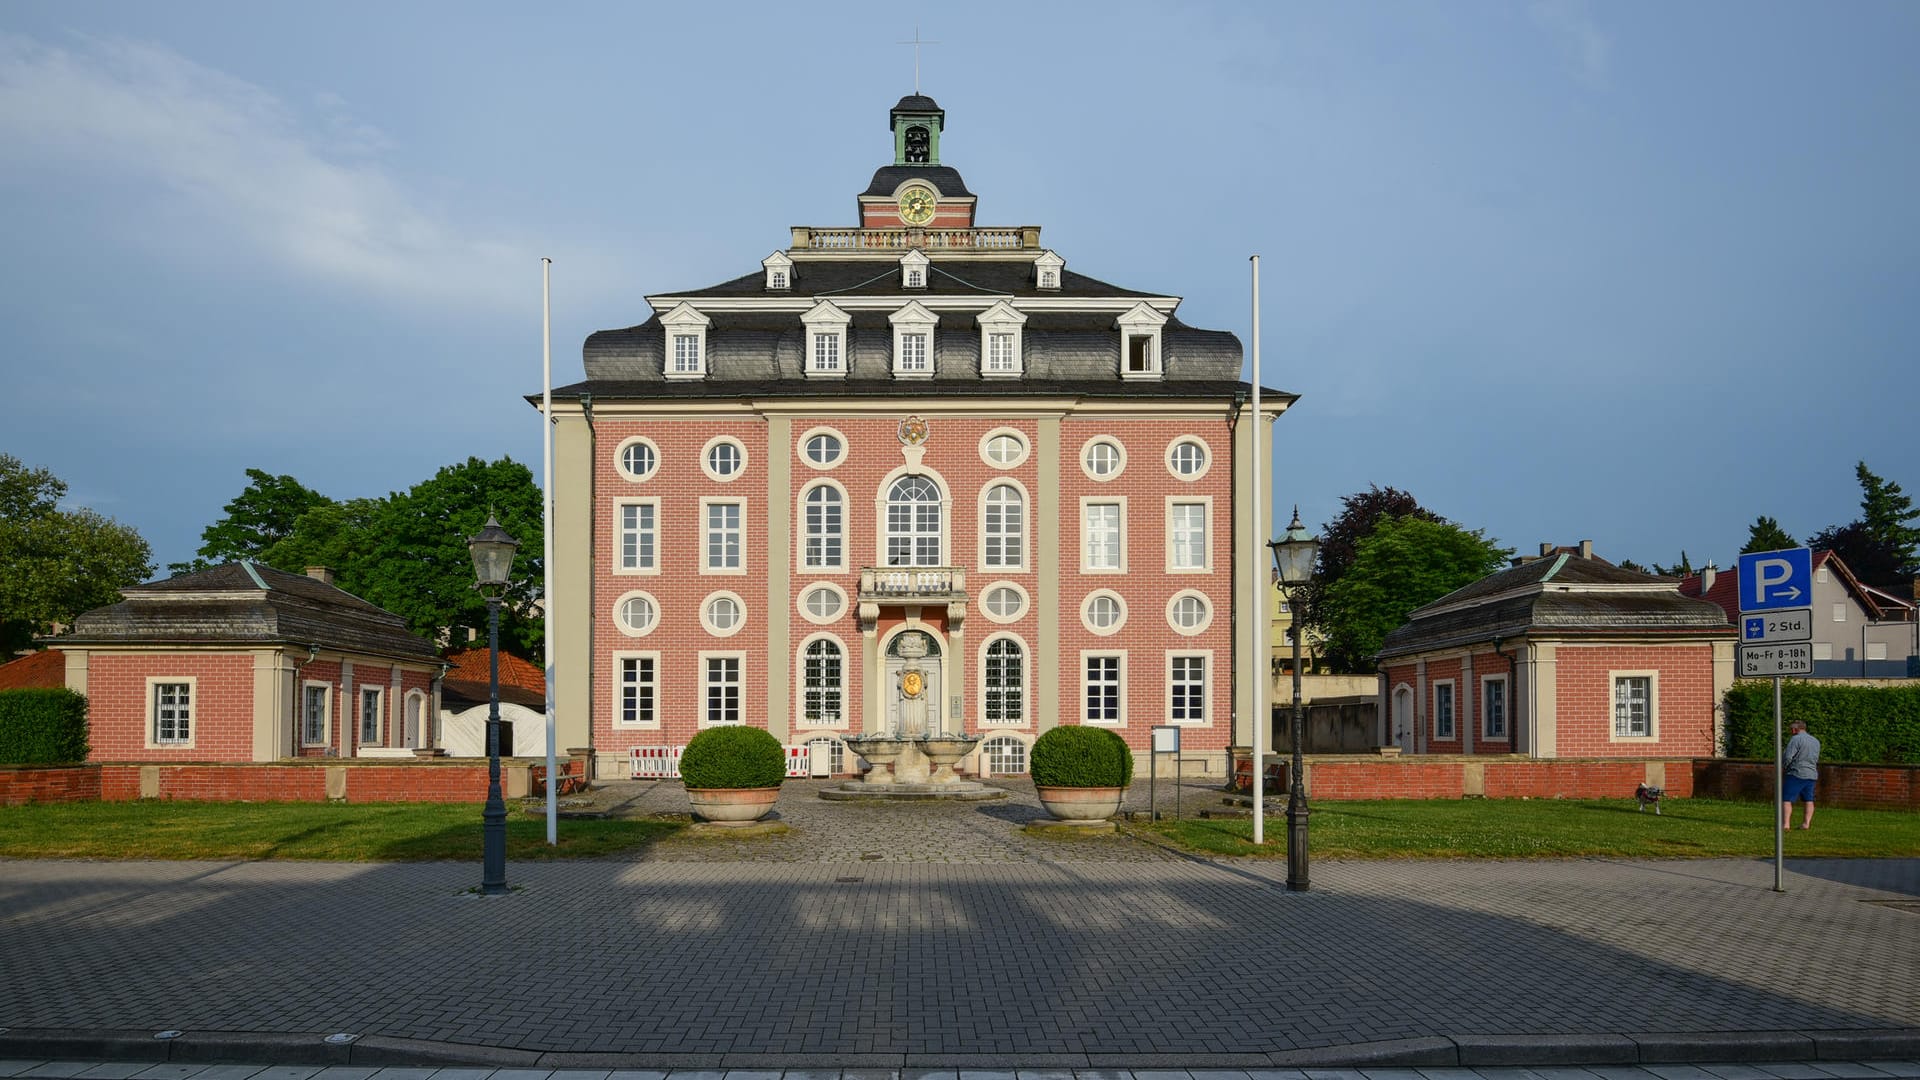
<point x="1648" y="796"/>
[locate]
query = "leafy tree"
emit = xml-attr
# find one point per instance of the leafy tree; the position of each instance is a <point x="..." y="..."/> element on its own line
<point x="1765" y="534"/>
<point x="1870" y="560"/>
<point x="1404" y="563"/>
<point x="1340" y="539"/>
<point x="1880" y="547"/>
<point x="262" y="515"/>
<point x="1679" y="569"/>
<point x="55" y="564"/>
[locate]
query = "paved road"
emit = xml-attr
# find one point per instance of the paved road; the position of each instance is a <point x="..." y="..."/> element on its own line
<point x="1083" y="953"/>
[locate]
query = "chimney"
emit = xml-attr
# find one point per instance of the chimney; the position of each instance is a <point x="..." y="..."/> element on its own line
<point x="320" y="574"/>
<point x="1706" y="578"/>
<point x="1546" y="549"/>
<point x="1586" y="549"/>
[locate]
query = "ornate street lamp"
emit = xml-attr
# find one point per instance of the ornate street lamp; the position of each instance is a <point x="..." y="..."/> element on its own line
<point x="1293" y="558"/>
<point x="492" y="553"/>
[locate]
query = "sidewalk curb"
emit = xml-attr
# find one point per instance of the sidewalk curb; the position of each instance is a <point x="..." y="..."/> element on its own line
<point x="1461" y="1050"/>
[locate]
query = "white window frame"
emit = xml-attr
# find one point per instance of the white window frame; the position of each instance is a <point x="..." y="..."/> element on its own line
<point x="1026" y="602"/>
<point x="1205" y="656"/>
<point x="1206" y="458"/>
<point x="800" y="603"/>
<point x="685" y="321"/>
<point x="800" y="448"/>
<point x="1173" y="603"/>
<point x="707" y="569"/>
<point x="987" y="755"/>
<point x="1120" y="459"/>
<point x="620" y="621"/>
<point x="1823" y="650"/>
<point x="882" y="530"/>
<point x="913" y="319"/>
<point x="706" y="455"/>
<point x="1506" y="707"/>
<point x="1839" y="611"/>
<point x="1026" y="447"/>
<point x="620" y="534"/>
<point x="779" y="268"/>
<point x="1452" y="734"/>
<point x="1087" y="533"/>
<point x="326" y="712"/>
<point x="804" y="534"/>
<point x="1026" y="688"/>
<point x="1141" y="321"/>
<point x="1005" y="320"/>
<point x="192" y="708"/>
<point x="379" y="715"/>
<point x="825" y="320"/>
<point x="1205" y="503"/>
<point x="913" y="270"/>
<point x="800" y="685"/>
<point x="1120" y="687"/>
<point x="1017" y="537"/>
<point x="1876" y="650"/>
<point x="1048" y="271"/>
<point x="1086" y="612"/>
<point x="706" y="687"/>
<point x="620" y="657"/>
<point x="1652" y="675"/>
<point x="706" y="619"/>
<point x="620" y="458"/>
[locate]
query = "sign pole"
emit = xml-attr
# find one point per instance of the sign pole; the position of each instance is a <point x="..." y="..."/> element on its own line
<point x="1153" y="778"/>
<point x="1779" y="794"/>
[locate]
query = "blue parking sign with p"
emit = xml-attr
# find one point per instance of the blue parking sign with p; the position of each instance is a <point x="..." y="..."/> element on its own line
<point x="1776" y="579"/>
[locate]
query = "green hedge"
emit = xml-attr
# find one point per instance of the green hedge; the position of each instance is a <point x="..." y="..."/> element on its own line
<point x="42" y="727"/>
<point x="733" y="757"/>
<point x="1858" y="724"/>
<point x="1075" y="756"/>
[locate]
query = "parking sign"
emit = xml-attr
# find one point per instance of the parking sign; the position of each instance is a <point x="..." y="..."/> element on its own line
<point x="1776" y="579"/>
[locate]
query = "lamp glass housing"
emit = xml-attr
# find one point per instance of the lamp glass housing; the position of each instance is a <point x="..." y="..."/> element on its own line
<point x="492" y="552"/>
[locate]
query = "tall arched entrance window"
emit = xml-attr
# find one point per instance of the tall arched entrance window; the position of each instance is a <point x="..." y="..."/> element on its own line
<point x="913" y="522"/>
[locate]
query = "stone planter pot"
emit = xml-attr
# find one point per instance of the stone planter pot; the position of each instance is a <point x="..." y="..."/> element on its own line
<point x="1081" y="804"/>
<point x="732" y="806"/>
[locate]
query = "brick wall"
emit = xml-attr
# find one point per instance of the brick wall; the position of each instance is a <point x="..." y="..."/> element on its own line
<point x="1863" y="787"/>
<point x="1455" y="776"/>
<point x="22" y="784"/>
<point x="420" y="781"/>
<point x="1684" y="699"/>
<point x="119" y="712"/>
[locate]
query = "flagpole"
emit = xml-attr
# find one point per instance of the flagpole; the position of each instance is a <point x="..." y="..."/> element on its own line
<point x="546" y="528"/>
<point x="1256" y="545"/>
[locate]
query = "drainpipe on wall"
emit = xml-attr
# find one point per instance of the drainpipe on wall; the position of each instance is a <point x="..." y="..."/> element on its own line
<point x="1513" y="693"/>
<point x="299" y="698"/>
<point x="1233" y="579"/>
<point x="593" y="597"/>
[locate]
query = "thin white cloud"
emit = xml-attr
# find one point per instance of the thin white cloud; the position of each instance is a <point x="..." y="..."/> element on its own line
<point x="1588" y="49"/>
<point x="308" y="192"/>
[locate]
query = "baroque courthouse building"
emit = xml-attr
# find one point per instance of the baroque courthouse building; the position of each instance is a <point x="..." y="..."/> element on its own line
<point x="912" y="474"/>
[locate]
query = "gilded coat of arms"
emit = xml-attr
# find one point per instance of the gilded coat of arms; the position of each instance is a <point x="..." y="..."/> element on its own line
<point x="913" y="431"/>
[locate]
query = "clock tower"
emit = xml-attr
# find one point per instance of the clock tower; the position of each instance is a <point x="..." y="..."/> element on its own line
<point x="916" y="191"/>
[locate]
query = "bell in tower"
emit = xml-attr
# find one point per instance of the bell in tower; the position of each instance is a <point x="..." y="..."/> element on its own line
<point x="916" y="122"/>
<point x="917" y="143"/>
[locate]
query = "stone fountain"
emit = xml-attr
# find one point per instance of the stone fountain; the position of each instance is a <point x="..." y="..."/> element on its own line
<point x="914" y="760"/>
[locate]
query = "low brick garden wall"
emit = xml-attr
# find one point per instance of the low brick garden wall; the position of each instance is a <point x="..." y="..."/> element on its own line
<point x="1457" y="776"/>
<point x="22" y="784"/>
<point x="1857" y="787"/>
<point x="315" y="780"/>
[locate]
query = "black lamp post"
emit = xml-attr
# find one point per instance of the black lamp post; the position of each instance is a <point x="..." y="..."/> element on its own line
<point x="492" y="553"/>
<point x="1293" y="557"/>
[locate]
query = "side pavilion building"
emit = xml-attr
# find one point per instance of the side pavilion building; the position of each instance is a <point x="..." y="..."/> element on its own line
<point x="910" y="474"/>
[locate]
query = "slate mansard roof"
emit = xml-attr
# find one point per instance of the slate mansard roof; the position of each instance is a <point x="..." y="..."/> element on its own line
<point x="1559" y="595"/>
<point x="247" y="604"/>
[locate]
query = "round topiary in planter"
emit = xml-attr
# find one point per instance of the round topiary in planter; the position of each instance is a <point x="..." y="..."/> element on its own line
<point x="1080" y="773"/>
<point x="733" y="774"/>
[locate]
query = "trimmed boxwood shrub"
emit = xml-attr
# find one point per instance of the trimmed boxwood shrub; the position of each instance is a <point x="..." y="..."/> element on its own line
<point x="1075" y="756"/>
<point x="733" y="757"/>
<point x="42" y="727"/>
<point x="1869" y="725"/>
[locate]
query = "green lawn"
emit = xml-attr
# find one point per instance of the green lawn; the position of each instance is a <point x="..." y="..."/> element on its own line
<point x="1552" y="828"/>
<point x="341" y="832"/>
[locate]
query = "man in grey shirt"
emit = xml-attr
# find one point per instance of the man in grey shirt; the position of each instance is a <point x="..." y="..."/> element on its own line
<point x="1802" y="767"/>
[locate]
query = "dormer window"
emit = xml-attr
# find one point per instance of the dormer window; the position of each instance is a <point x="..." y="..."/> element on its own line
<point x="913" y="270"/>
<point x="779" y="272"/>
<point x="826" y="347"/>
<point x="1140" y="343"/>
<point x="1047" y="269"/>
<point x="913" y="328"/>
<point x="1000" y="333"/>
<point x="686" y="353"/>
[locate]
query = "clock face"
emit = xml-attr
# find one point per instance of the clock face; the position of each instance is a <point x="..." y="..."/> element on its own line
<point x="916" y="206"/>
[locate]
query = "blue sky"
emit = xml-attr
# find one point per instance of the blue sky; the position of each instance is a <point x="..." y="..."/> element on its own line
<point x="1633" y="272"/>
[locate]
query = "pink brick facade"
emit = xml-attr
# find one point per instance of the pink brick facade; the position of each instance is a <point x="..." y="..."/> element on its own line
<point x="119" y="706"/>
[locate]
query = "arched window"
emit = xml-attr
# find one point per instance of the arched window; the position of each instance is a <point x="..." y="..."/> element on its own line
<point x="913" y="522"/>
<point x="1004" y="756"/>
<point x="1005" y="697"/>
<point x="822" y="686"/>
<point x="1005" y="521"/>
<point x="825" y="532"/>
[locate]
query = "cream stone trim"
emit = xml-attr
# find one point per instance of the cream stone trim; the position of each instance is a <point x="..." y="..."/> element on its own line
<point x="746" y="547"/>
<point x="1487" y="734"/>
<point x="1024" y="536"/>
<point x="193" y="712"/>
<point x="1002" y="318"/>
<point x="1085" y="686"/>
<point x="1086" y="453"/>
<point x="1206" y="605"/>
<point x="381" y="726"/>
<point x="1206" y="458"/>
<point x="914" y="318"/>
<point x="620" y="569"/>
<point x="1453" y="714"/>
<point x="619" y="613"/>
<point x="800" y="448"/>
<point x="1206" y="685"/>
<point x="1026" y="602"/>
<point x="1026" y="681"/>
<point x="880" y="511"/>
<point x="1047" y="542"/>
<point x="620" y="459"/>
<point x="706" y="459"/>
<point x="800" y="603"/>
<point x="619" y="685"/>
<point x="684" y="321"/>
<point x="1026" y="447"/>
<point x="1141" y="321"/>
<point x="408" y="702"/>
<point x="706" y="613"/>
<point x="1086" y="563"/>
<point x="800" y="721"/>
<point x="1206" y="546"/>
<point x="778" y="264"/>
<point x="1652" y="675"/>
<point x="326" y="714"/>
<point x="745" y="707"/>
<point x="1086" y="612"/>
<point x="801" y="535"/>
<point x="825" y="319"/>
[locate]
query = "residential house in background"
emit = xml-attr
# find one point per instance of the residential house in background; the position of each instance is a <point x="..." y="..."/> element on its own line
<point x="1858" y="631"/>
<point x="464" y="703"/>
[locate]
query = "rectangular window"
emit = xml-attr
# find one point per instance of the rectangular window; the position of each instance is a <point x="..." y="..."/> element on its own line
<point x="1823" y="650"/>
<point x="369" y="716"/>
<point x="1876" y="650"/>
<point x="1189" y="540"/>
<point x="1003" y="526"/>
<point x="637" y="536"/>
<point x="1187" y="689"/>
<point x="639" y="691"/>
<point x="779" y="280"/>
<point x="173" y="712"/>
<point x="1102" y="536"/>
<point x="723" y="690"/>
<point x="1443" y="710"/>
<point x="823" y="528"/>
<point x="1632" y="707"/>
<point x="1839" y="611"/>
<point x="1000" y="356"/>
<point x="1493" y="708"/>
<point x="686" y="353"/>
<point x="313" y="714"/>
<point x="826" y="352"/>
<point x="723" y="536"/>
<point x="1140" y="355"/>
<point x="1004" y="700"/>
<point x="913" y="352"/>
<point x="821" y="694"/>
<point x="1103" y="689"/>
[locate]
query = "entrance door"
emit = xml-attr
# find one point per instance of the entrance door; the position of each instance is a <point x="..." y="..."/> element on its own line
<point x="913" y="684"/>
<point x="1403" y="720"/>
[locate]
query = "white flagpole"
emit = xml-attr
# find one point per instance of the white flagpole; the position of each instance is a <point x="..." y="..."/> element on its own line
<point x="1257" y="545"/>
<point x="546" y="526"/>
